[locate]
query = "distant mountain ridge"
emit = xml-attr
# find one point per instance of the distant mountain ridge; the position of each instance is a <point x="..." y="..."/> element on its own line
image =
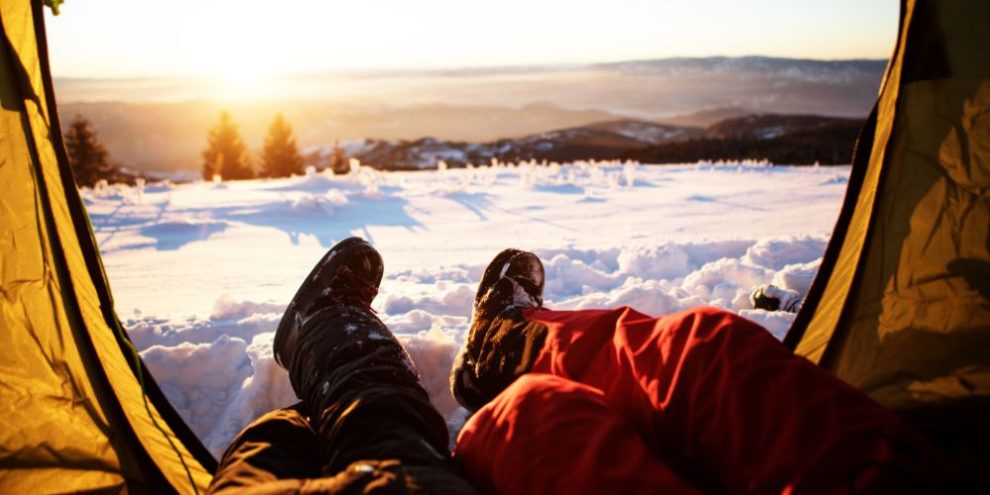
<point x="797" y="139"/>
<point x="779" y="66"/>
<point x="162" y="125"/>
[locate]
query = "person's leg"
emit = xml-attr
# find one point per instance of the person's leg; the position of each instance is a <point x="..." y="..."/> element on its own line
<point x="365" y="398"/>
<point x="359" y="388"/>
<point x="730" y="408"/>
<point x="733" y="405"/>
<point x="710" y="392"/>
<point x="277" y="446"/>
<point x="545" y="434"/>
<point x="278" y="453"/>
<point x="501" y="344"/>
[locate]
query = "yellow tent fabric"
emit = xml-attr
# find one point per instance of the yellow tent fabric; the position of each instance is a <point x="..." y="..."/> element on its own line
<point x="901" y="306"/>
<point x="79" y="412"/>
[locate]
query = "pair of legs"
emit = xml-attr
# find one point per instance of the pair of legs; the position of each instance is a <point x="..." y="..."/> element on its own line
<point x="607" y="401"/>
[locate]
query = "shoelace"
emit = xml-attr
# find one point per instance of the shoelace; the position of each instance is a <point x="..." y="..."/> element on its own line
<point x="360" y="290"/>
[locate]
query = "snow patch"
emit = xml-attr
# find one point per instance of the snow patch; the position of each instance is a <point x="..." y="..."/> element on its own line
<point x="456" y="301"/>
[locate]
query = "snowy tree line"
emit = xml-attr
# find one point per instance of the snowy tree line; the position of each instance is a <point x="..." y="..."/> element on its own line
<point x="225" y="156"/>
<point x="88" y="157"/>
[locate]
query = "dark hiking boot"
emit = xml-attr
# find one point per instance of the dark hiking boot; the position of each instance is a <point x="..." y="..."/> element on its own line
<point x="376" y="429"/>
<point x="348" y="275"/>
<point x="501" y="344"/>
<point x="772" y="298"/>
<point x="522" y="272"/>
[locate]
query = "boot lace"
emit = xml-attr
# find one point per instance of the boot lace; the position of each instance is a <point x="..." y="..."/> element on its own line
<point x="354" y="289"/>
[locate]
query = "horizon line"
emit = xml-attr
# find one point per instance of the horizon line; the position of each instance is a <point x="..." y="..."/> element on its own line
<point x="465" y="69"/>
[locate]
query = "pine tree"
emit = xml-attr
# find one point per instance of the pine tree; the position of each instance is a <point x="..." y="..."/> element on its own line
<point x="280" y="157"/>
<point x="87" y="156"/>
<point x="339" y="163"/>
<point x="225" y="153"/>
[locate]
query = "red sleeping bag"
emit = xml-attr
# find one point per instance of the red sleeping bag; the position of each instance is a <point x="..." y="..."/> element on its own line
<point x="621" y="402"/>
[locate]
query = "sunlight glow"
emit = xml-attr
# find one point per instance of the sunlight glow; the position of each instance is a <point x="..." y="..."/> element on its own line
<point x="247" y="41"/>
<point x="239" y="79"/>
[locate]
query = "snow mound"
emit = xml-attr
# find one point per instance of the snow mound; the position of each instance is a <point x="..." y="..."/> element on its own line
<point x="777" y="322"/>
<point x="797" y="277"/>
<point x="778" y="253"/>
<point x="455" y="301"/>
<point x="328" y="202"/>
<point x="837" y="179"/>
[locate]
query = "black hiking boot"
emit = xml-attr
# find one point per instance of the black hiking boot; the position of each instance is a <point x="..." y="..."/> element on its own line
<point x="348" y="275"/>
<point x="769" y="297"/>
<point x="501" y="344"/>
<point x="522" y="277"/>
<point x="376" y="429"/>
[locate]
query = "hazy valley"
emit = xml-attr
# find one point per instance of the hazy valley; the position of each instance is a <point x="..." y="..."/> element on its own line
<point x="161" y="125"/>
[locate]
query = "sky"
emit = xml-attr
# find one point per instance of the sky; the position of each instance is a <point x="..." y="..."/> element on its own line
<point x="251" y="39"/>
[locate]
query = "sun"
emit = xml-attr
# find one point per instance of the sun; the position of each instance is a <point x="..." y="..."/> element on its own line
<point x="242" y="81"/>
<point x="239" y="74"/>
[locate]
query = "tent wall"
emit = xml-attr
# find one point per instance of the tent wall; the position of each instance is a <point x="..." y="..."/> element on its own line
<point x="901" y="307"/>
<point x="80" y="412"/>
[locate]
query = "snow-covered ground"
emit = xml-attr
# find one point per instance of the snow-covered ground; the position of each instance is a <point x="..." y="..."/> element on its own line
<point x="201" y="272"/>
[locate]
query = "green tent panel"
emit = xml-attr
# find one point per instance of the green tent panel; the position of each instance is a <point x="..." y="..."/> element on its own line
<point x="901" y="306"/>
<point x="79" y="412"/>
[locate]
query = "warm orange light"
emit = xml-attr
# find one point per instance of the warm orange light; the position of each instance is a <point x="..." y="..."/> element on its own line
<point x="245" y="41"/>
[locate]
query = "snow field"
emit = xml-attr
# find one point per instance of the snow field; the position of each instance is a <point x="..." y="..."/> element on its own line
<point x="201" y="272"/>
